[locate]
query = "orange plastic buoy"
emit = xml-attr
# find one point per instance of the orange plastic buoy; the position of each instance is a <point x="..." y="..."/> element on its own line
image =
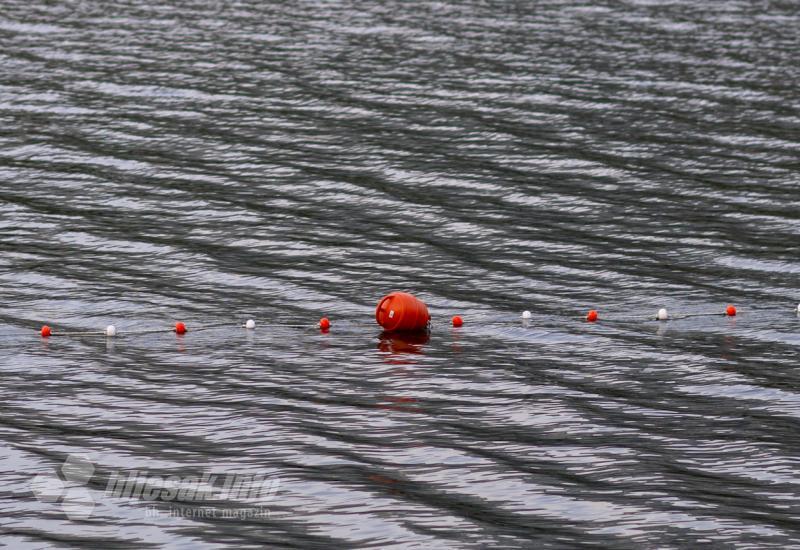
<point x="180" y="328"/>
<point x="400" y="311"/>
<point x="458" y="321"/>
<point x="591" y="316"/>
<point x="730" y="311"/>
<point x="46" y="331"/>
<point x="324" y="324"/>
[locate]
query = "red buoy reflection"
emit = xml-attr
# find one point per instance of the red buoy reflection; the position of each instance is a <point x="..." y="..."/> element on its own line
<point x="404" y="342"/>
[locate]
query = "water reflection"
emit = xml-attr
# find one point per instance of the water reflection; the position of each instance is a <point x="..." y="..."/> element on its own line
<point x="402" y="343"/>
<point x="401" y="349"/>
<point x="455" y="339"/>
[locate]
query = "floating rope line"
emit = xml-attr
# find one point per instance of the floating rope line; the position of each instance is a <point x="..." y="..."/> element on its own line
<point x="180" y="328"/>
<point x="110" y="331"/>
<point x="690" y="315"/>
<point x="662" y="315"/>
<point x="396" y="312"/>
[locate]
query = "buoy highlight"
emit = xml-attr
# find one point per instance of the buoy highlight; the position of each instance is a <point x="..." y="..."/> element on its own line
<point x="180" y="328"/>
<point x="527" y="314"/>
<point x="591" y="316"/>
<point x="400" y="311"/>
<point x="458" y="321"/>
<point x="662" y="314"/>
<point x="250" y="324"/>
<point x="111" y="331"/>
<point x="730" y="311"/>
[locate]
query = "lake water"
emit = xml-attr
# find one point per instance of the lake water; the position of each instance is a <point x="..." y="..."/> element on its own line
<point x="215" y="162"/>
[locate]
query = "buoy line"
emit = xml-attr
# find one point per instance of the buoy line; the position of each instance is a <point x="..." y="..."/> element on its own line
<point x="179" y="328"/>
<point x="396" y="312"/>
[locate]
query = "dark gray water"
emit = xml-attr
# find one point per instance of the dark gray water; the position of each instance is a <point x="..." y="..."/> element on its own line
<point x="211" y="162"/>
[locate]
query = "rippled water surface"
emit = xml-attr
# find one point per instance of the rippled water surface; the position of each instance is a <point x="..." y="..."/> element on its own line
<point x="214" y="162"/>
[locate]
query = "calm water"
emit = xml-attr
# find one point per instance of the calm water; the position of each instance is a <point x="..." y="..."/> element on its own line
<point x="211" y="162"/>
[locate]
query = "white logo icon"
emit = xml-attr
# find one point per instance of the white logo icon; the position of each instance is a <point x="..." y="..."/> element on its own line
<point x="71" y="493"/>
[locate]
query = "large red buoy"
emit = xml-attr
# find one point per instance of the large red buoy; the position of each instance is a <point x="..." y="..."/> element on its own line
<point x="400" y="311"/>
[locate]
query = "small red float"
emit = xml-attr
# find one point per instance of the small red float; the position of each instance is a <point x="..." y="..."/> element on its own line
<point x="730" y="311"/>
<point x="180" y="328"/>
<point x="458" y="321"/>
<point x="591" y="316"/>
<point x="46" y="331"/>
<point x="400" y="311"/>
<point x="324" y="324"/>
